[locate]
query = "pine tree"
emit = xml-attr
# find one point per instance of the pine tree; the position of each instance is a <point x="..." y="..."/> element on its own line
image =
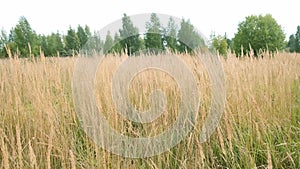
<point x="117" y="47"/>
<point x="108" y="44"/>
<point x="131" y="42"/>
<point x="154" y="38"/>
<point x="171" y="35"/>
<point x="292" y="43"/>
<point x="72" y="42"/>
<point x="3" y="43"/>
<point x="297" y="40"/>
<point x="55" y="45"/>
<point x="43" y="42"/>
<point x="189" y="39"/>
<point x="82" y="36"/>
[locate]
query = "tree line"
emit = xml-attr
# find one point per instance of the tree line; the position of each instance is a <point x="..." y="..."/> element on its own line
<point x="256" y="33"/>
<point x="24" y="41"/>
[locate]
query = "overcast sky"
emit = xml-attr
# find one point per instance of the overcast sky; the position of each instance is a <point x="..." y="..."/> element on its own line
<point x="208" y="16"/>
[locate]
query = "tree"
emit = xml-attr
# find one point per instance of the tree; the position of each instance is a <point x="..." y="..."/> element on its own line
<point x="11" y="45"/>
<point x="3" y="42"/>
<point x="55" y="45"/>
<point x="23" y="36"/>
<point x="258" y="33"/>
<point x="297" y="40"/>
<point x="87" y="31"/>
<point x="52" y="45"/>
<point x="43" y="43"/>
<point x="189" y="39"/>
<point x="292" y="43"/>
<point x="108" y="44"/>
<point x="130" y="36"/>
<point x="219" y="43"/>
<point x="117" y="47"/>
<point x="82" y="35"/>
<point x="170" y="35"/>
<point x="229" y="42"/>
<point x="153" y="38"/>
<point x="94" y="45"/>
<point x="72" y="42"/>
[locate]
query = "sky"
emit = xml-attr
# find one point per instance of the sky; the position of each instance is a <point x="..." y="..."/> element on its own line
<point x="218" y="16"/>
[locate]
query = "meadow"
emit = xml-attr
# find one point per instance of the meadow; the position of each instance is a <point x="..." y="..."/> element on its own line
<point x="260" y="126"/>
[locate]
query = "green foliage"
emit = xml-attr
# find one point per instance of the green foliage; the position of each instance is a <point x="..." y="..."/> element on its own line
<point x="153" y="38"/>
<point x="43" y="43"/>
<point x="294" y="41"/>
<point x="83" y="35"/>
<point x="56" y="46"/>
<point x="297" y="36"/>
<point x="3" y="42"/>
<point x="189" y="39"/>
<point x="51" y="45"/>
<point x="258" y="33"/>
<point x="219" y="43"/>
<point x="87" y="31"/>
<point x="117" y="47"/>
<point x="107" y="48"/>
<point x="128" y="41"/>
<point x="229" y="42"/>
<point x="72" y="42"/>
<point x="170" y="35"/>
<point x="23" y="39"/>
<point x="131" y="41"/>
<point x="94" y="45"/>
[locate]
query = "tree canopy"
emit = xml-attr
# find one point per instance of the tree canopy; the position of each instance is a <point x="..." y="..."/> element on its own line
<point x="258" y="33"/>
<point x="294" y="41"/>
<point x="188" y="37"/>
<point x="131" y="41"/>
<point x="170" y="35"/>
<point x="108" y="43"/>
<point x="154" y="38"/>
<point x="23" y="39"/>
<point x="219" y="43"/>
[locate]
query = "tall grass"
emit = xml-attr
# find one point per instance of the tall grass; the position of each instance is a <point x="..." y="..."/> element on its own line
<point x="260" y="127"/>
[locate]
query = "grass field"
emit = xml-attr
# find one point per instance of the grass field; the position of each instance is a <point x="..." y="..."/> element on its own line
<point x="260" y="127"/>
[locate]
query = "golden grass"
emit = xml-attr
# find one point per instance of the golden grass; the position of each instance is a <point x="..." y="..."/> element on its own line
<point x="260" y="126"/>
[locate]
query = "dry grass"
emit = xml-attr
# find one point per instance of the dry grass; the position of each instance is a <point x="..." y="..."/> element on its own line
<point x="260" y="127"/>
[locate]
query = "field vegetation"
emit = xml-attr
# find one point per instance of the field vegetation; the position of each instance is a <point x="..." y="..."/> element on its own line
<point x="260" y="127"/>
